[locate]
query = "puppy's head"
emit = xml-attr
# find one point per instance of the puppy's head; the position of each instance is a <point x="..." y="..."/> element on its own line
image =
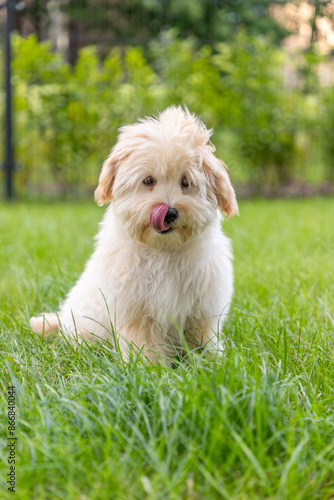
<point x="164" y="181"/>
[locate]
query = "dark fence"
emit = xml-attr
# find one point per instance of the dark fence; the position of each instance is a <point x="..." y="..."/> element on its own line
<point x="83" y="68"/>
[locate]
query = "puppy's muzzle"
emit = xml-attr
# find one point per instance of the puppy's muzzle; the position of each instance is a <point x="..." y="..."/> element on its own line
<point x="162" y="216"/>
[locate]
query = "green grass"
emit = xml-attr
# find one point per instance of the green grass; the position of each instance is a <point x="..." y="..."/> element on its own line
<point x="257" y="423"/>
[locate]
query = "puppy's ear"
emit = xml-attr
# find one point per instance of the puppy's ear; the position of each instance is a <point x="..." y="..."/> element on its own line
<point x="216" y="172"/>
<point x="103" y="192"/>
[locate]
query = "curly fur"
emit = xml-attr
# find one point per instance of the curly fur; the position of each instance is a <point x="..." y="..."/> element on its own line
<point x="155" y="289"/>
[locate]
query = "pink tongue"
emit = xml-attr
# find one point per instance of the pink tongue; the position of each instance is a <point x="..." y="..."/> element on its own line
<point x="157" y="217"/>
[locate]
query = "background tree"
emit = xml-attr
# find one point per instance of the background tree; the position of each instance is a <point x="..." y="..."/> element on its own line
<point x="123" y="22"/>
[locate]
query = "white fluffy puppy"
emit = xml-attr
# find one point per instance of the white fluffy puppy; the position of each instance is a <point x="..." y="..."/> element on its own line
<point x="161" y="273"/>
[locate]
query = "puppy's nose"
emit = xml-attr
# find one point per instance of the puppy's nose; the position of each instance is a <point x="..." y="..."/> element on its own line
<point x="171" y="215"/>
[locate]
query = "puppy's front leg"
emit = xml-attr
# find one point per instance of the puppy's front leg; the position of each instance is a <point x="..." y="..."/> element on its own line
<point x="146" y="335"/>
<point x="203" y="333"/>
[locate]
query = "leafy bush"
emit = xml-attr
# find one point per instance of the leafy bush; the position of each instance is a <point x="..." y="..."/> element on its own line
<point x="327" y="123"/>
<point x="260" y="109"/>
<point x="66" y="118"/>
<point x="71" y="116"/>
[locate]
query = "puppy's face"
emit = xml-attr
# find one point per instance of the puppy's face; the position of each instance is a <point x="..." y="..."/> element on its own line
<point x="164" y="181"/>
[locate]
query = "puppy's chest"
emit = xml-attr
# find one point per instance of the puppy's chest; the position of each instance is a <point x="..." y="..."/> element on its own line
<point x="164" y="277"/>
<point x="165" y="286"/>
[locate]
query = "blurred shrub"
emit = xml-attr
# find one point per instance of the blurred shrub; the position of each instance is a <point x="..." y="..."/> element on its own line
<point x="261" y="111"/>
<point x="57" y="113"/>
<point x="327" y="132"/>
<point x="67" y="117"/>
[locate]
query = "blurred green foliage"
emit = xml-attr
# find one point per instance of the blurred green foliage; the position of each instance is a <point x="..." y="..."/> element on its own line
<point x="66" y="118"/>
<point x="203" y="19"/>
<point x="328" y="131"/>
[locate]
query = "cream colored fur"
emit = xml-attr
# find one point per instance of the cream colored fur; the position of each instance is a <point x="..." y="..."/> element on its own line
<point x="156" y="289"/>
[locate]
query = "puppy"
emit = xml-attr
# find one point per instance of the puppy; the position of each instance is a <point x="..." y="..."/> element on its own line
<point x="161" y="273"/>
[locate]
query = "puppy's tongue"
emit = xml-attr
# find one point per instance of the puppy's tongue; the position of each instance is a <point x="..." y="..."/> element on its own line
<point x="157" y="217"/>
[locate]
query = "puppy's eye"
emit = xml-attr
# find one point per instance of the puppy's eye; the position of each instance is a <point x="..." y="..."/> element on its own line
<point x="149" y="181"/>
<point x="184" y="182"/>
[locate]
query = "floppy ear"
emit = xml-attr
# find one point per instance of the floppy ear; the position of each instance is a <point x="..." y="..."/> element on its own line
<point x="103" y="192"/>
<point x="216" y="172"/>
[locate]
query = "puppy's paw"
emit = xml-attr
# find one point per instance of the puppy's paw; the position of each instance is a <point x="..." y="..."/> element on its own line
<point x="46" y="324"/>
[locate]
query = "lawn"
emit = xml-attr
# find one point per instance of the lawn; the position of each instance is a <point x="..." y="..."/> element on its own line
<point x="255" y="423"/>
